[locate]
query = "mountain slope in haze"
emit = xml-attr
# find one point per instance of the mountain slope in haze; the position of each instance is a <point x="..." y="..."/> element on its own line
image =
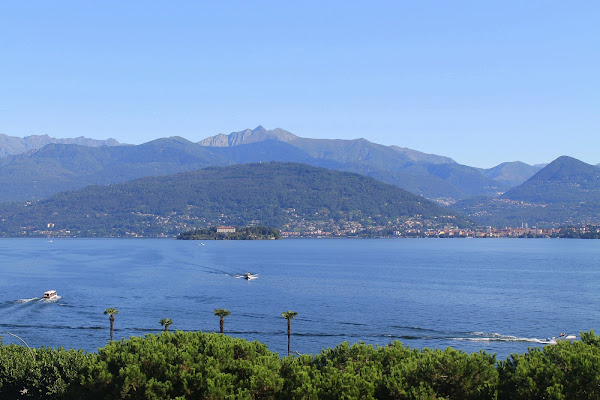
<point x="247" y="136"/>
<point x="57" y="167"/>
<point x="565" y="180"/>
<point x="391" y="164"/>
<point x="282" y="195"/>
<point x="337" y="149"/>
<point x="10" y="145"/>
<point x="39" y="173"/>
<point x="512" y="173"/>
<point x="60" y="167"/>
<point x="566" y="191"/>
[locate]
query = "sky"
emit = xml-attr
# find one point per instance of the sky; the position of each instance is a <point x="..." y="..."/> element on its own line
<point x="483" y="82"/>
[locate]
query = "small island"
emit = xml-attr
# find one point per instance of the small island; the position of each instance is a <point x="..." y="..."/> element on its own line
<point x="231" y="233"/>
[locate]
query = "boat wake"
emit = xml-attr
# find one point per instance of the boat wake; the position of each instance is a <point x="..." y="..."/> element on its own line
<point x="498" y="337"/>
<point x="38" y="300"/>
<point x="409" y="333"/>
<point x="27" y="300"/>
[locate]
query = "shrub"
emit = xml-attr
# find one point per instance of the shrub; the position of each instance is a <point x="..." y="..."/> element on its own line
<point x="184" y="365"/>
<point x="53" y="374"/>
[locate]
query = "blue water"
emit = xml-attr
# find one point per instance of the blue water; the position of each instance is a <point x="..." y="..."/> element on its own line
<point x="497" y="295"/>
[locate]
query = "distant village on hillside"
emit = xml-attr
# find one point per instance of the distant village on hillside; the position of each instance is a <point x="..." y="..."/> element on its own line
<point x="454" y="232"/>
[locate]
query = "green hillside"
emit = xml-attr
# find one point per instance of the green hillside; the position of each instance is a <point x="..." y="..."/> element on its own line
<point x="565" y="180"/>
<point x="286" y="196"/>
<point x="565" y="192"/>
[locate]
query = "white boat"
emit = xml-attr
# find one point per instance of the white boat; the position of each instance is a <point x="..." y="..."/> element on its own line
<point x="248" y="276"/>
<point x="564" y="336"/>
<point x="560" y="338"/>
<point x="50" y="294"/>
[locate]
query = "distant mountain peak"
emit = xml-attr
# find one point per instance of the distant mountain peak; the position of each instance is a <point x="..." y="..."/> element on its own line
<point x="11" y="145"/>
<point x="564" y="180"/>
<point x="512" y="173"/>
<point x="247" y="136"/>
<point x="565" y="167"/>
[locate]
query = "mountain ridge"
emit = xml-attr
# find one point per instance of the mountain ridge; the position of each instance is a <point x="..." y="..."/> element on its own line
<point x="12" y="145"/>
<point x="391" y="164"/>
<point x="35" y="174"/>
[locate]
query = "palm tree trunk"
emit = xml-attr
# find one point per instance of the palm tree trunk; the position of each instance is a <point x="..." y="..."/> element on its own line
<point x="222" y="324"/>
<point x="112" y="322"/>
<point x="289" y="334"/>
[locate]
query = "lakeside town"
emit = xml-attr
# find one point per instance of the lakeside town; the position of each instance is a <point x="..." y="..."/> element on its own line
<point x="414" y="227"/>
<point x="451" y="232"/>
<point x="454" y="232"/>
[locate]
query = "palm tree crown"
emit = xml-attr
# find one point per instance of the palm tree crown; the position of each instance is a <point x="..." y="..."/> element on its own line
<point x="111" y="311"/>
<point x="289" y="314"/>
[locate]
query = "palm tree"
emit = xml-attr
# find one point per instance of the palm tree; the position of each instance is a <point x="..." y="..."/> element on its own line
<point x="221" y="313"/>
<point x="166" y="322"/>
<point x="112" y="312"/>
<point x="289" y="315"/>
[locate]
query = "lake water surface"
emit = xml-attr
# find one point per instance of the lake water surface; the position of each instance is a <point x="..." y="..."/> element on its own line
<point x="497" y="295"/>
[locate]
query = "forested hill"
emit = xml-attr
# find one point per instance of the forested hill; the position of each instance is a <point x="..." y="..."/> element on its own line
<point x="565" y="192"/>
<point x="564" y="180"/>
<point x="287" y="196"/>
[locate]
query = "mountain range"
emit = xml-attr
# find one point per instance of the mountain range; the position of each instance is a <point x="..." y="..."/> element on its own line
<point x="57" y="167"/>
<point x="10" y="145"/>
<point x="566" y="191"/>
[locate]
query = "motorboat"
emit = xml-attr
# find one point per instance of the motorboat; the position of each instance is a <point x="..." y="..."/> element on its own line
<point x="50" y="294"/>
<point x="563" y="337"/>
<point x="248" y="276"/>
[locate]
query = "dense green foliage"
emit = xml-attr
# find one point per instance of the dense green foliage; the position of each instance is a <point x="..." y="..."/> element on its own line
<point x="190" y="365"/>
<point x="53" y="374"/>
<point x="567" y="371"/>
<point x="247" y="233"/>
<point x="391" y="372"/>
<point x="195" y="365"/>
<point x="271" y="194"/>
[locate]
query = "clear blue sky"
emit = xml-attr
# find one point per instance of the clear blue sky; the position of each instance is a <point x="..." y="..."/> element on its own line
<point x="479" y="81"/>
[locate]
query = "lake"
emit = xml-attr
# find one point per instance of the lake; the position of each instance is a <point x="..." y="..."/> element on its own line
<point x="497" y="295"/>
